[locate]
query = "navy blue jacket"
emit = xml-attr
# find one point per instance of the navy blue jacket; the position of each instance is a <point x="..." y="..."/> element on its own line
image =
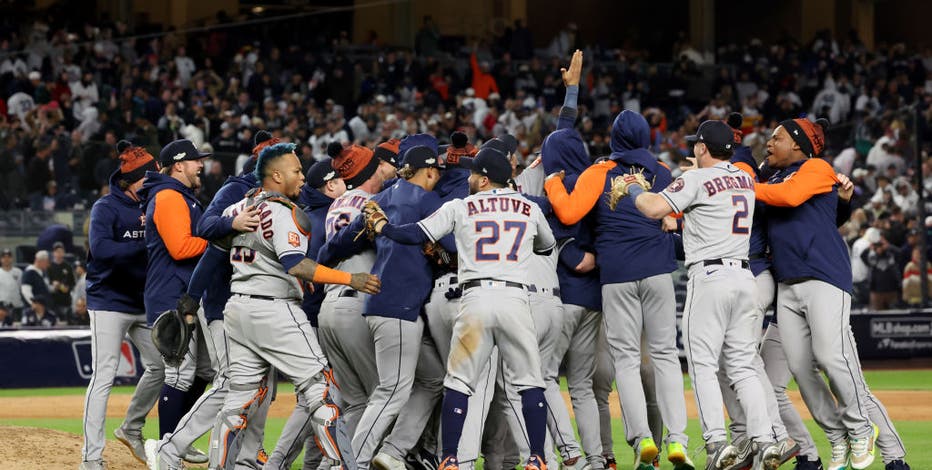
<point x="166" y="278"/>
<point x="564" y="150"/>
<point x="759" y="258"/>
<point x="804" y="239"/>
<point x="316" y="204"/>
<point x="116" y="261"/>
<point x="210" y="280"/>
<point x="404" y="270"/>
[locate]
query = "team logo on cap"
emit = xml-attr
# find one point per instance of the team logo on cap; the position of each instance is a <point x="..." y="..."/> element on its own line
<point x="430" y="161"/>
<point x="329" y="176"/>
<point x="179" y="156"/>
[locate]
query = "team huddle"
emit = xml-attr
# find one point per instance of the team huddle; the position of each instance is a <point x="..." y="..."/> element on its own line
<point x="422" y="299"/>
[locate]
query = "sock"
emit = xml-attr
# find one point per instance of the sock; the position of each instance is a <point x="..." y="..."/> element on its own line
<point x="454" y="416"/>
<point x="171" y="409"/>
<point x="534" y="408"/>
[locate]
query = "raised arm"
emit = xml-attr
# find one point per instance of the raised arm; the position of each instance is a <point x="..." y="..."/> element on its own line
<point x="814" y="177"/>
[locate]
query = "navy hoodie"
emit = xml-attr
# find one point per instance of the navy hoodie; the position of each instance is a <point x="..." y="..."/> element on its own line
<point x="166" y="278"/>
<point x="210" y="280"/>
<point x="316" y="204"/>
<point x="564" y="150"/>
<point x="116" y="261"/>
<point x="629" y="245"/>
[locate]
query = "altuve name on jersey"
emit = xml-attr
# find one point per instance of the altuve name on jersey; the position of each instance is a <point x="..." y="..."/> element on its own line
<point x="498" y="204"/>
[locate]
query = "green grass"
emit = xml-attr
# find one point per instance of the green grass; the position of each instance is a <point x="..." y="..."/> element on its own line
<point x="876" y="379"/>
<point x="914" y="433"/>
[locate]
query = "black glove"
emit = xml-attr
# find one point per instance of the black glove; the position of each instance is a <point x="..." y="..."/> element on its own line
<point x="172" y="331"/>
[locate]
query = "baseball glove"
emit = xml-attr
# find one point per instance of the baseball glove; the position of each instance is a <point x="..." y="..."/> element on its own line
<point x="375" y="219"/>
<point x="172" y="331"/>
<point x="620" y="185"/>
<point x="438" y="255"/>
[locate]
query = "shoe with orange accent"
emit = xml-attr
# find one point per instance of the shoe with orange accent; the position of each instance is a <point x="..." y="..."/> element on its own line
<point x="449" y="463"/>
<point x="261" y="457"/>
<point x="610" y="462"/>
<point x="534" y="462"/>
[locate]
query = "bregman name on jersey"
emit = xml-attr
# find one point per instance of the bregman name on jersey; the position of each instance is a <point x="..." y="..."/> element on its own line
<point x="723" y="183"/>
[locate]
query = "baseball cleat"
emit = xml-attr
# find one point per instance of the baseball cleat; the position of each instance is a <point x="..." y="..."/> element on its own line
<point x="719" y="455"/>
<point x="449" y="463"/>
<point x="788" y="449"/>
<point x="768" y="457"/>
<point x="863" y="449"/>
<point x="422" y="460"/>
<point x="656" y="462"/>
<point x="897" y="465"/>
<point x="803" y="463"/>
<point x="840" y="453"/>
<point x="676" y="454"/>
<point x="745" y="458"/>
<point x="535" y="462"/>
<point x="383" y="461"/>
<point x="610" y="463"/>
<point x="133" y="442"/>
<point x="576" y="463"/>
<point x="262" y="457"/>
<point x="93" y="465"/>
<point x="644" y="454"/>
<point x="194" y="455"/>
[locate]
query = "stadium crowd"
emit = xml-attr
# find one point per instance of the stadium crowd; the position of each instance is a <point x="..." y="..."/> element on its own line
<point x="70" y="93"/>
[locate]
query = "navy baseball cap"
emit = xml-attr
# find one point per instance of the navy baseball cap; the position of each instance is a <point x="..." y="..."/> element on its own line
<point x="715" y="134"/>
<point x="491" y="163"/>
<point x="504" y="143"/>
<point x="179" y="151"/>
<point x="415" y="140"/>
<point x="320" y="173"/>
<point x="421" y="156"/>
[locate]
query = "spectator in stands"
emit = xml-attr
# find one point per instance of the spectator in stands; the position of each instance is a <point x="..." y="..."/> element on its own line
<point x="11" y="279"/>
<point x="860" y="271"/>
<point x="80" y="316"/>
<point x="427" y="41"/>
<point x="6" y="316"/>
<point x="61" y="277"/>
<point x="885" y="274"/>
<point x="483" y="83"/>
<point x="38" y="173"/>
<point x="80" y="282"/>
<point x="912" y="282"/>
<point x="38" y="314"/>
<point x="35" y="278"/>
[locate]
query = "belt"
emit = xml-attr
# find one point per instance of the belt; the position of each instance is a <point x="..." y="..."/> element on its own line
<point x="757" y="256"/>
<point x="721" y="262"/>
<point x="349" y="293"/>
<point x="797" y="280"/>
<point x="544" y="290"/>
<point x="441" y="282"/>
<point x="491" y="283"/>
<point x="259" y="297"/>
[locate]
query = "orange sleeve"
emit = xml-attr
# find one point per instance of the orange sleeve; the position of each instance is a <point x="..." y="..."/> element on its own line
<point x="745" y="168"/>
<point x="814" y="177"/>
<point x="474" y="64"/>
<point x="571" y="208"/>
<point x="173" y="222"/>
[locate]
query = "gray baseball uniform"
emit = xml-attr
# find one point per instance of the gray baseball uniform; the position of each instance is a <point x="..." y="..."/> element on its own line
<point x="266" y="327"/>
<point x="719" y="317"/>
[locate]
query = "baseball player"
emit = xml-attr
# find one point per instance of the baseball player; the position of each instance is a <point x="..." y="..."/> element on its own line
<point x="342" y="330"/>
<point x="393" y="316"/>
<point x="172" y="213"/>
<point x="637" y="294"/>
<point x="262" y="319"/>
<point x="321" y="187"/>
<point x="210" y="285"/>
<point x="116" y="273"/>
<point x="719" y="319"/>
<point x="813" y="273"/>
<point x="496" y="231"/>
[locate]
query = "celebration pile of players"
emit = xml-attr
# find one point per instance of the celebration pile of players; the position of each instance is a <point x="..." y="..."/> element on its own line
<point x="422" y="300"/>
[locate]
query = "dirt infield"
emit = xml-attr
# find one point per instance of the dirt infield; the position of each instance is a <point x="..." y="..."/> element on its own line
<point x="35" y="448"/>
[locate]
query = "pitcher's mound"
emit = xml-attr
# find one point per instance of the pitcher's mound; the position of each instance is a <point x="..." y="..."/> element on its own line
<point x="41" y="449"/>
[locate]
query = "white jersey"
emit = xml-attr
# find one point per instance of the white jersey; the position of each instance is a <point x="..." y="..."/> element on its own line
<point x="11" y="287"/>
<point x="717" y="204"/>
<point x="255" y="256"/>
<point x="497" y="234"/>
<point x="342" y="211"/>
<point x="543" y="271"/>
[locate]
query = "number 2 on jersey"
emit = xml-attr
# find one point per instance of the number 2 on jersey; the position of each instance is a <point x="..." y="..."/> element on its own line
<point x="487" y="241"/>
<point x="740" y="214"/>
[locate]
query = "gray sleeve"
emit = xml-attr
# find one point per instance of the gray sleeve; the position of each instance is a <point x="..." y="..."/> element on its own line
<point x="681" y="193"/>
<point x="544" y="242"/>
<point x="441" y="222"/>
